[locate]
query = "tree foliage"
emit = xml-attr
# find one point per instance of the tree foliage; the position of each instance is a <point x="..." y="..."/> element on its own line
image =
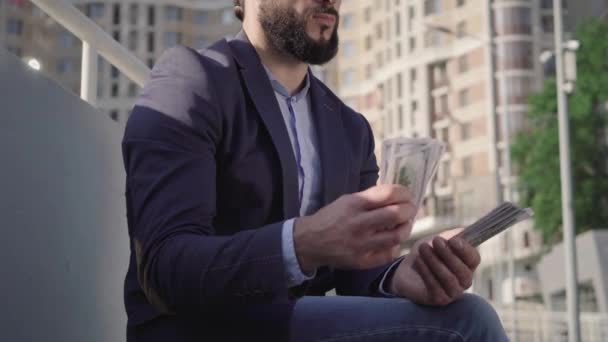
<point x="536" y="149"/>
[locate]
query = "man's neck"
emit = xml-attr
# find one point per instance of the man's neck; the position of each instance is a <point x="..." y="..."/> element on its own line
<point x="290" y="72"/>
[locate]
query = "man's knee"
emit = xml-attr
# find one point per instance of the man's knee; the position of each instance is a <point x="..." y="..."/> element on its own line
<point x="484" y="323"/>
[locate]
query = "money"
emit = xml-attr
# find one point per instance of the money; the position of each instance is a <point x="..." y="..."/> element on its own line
<point x="410" y="162"/>
<point x="499" y="219"/>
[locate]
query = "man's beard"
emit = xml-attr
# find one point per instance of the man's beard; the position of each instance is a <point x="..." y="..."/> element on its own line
<point x="286" y="32"/>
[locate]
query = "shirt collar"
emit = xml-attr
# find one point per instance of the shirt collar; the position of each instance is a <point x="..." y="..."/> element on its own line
<point x="279" y="88"/>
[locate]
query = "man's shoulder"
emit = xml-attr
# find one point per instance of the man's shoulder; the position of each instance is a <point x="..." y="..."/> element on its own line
<point x="182" y="60"/>
<point x="349" y="115"/>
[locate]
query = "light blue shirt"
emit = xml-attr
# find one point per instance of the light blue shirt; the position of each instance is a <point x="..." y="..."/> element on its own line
<point x="297" y="115"/>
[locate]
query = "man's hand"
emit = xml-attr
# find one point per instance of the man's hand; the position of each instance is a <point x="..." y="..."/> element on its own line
<point x="361" y="230"/>
<point x="438" y="274"/>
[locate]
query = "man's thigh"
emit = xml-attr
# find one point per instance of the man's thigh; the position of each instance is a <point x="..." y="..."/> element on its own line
<point x="339" y="318"/>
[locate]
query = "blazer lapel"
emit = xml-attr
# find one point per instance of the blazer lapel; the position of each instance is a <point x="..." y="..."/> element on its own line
<point x="330" y="133"/>
<point x="259" y="87"/>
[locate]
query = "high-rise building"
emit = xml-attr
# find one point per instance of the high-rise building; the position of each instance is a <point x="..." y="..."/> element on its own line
<point x="452" y="70"/>
<point x="145" y="27"/>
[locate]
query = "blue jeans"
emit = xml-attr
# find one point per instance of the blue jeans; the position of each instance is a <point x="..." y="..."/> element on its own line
<point x="338" y="318"/>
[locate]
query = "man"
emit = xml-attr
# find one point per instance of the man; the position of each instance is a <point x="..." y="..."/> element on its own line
<point x="251" y="193"/>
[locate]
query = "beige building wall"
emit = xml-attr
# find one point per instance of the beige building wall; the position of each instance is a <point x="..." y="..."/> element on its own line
<point x="451" y="69"/>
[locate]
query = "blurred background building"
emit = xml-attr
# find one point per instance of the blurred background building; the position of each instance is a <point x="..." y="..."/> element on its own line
<point x="451" y="69"/>
<point x="145" y="27"/>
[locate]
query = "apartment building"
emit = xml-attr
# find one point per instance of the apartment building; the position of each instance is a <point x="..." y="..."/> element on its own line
<point x="145" y="27"/>
<point x="459" y="71"/>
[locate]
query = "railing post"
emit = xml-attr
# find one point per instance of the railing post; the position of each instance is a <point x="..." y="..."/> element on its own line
<point x="88" y="74"/>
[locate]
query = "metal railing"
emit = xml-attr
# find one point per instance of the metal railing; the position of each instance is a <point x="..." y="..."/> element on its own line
<point x="94" y="41"/>
<point x="539" y="325"/>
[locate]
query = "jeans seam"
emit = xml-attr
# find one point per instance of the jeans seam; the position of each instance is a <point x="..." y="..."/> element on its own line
<point x="370" y="333"/>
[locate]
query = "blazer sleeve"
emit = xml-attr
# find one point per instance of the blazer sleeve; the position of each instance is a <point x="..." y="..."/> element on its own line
<point x="169" y="155"/>
<point x="363" y="282"/>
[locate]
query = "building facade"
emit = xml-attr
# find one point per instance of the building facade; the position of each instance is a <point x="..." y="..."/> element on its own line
<point x="145" y="27"/>
<point x="459" y="71"/>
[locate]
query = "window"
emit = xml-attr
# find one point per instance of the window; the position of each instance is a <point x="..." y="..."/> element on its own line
<point x="400" y="116"/>
<point x="467" y="166"/>
<point x="398" y="24"/>
<point x="14" y="26"/>
<point x="65" y="66"/>
<point x="116" y="35"/>
<point x="173" y="13"/>
<point x="443" y="104"/>
<point x="348" y="21"/>
<point x="132" y="89"/>
<point x="463" y="63"/>
<point x="150" y="41"/>
<point x="228" y="17"/>
<point x="201" y="18"/>
<point x="460" y="3"/>
<point x="465" y="131"/>
<point x="133" y="38"/>
<point x="151" y="15"/>
<point x="172" y="39"/>
<point x="114" y="90"/>
<point x="17" y="51"/>
<point x="114" y="72"/>
<point x="547" y="23"/>
<point x="369" y="69"/>
<point x="378" y="31"/>
<point x="490" y="289"/>
<point x="411" y="16"/>
<point x="367" y="15"/>
<point x="95" y="10"/>
<point x="368" y="43"/>
<point x="445" y="173"/>
<point x="116" y="14"/>
<point x="66" y="39"/>
<point x="445" y="206"/>
<point x="348" y="48"/>
<point x="432" y="7"/>
<point x="133" y="13"/>
<point x="463" y="97"/>
<point x="461" y="29"/>
<point x="526" y="239"/>
<point x="399" y="81"/>
<point x="412" y="44"/>
<point x="413" y="76"/>
<point x="114" y="115"/>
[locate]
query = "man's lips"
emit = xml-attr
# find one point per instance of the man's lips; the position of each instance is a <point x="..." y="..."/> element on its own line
<point x="325" y="19"/>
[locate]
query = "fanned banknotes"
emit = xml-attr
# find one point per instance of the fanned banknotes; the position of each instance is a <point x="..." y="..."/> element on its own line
<point x="412" y="162"/>
<point x="496" y="221"/>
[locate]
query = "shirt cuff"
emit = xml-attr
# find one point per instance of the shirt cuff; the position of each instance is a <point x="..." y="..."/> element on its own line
<point x="388" y="274"/>
<point x="294" y="273"/>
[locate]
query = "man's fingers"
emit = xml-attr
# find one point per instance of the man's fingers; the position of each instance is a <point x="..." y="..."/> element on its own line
<point x="462" y="272"/>
<point x="387" y="217"/>
<point x="436" y="294"/>
<point x="466" y="252"/>
<point x="448" y="281"/>
<point x="383" y="195"/>
<point x="381" y="240"/>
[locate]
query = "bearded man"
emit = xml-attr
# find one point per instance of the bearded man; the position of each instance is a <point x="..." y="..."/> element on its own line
<point x="251" y="192"/>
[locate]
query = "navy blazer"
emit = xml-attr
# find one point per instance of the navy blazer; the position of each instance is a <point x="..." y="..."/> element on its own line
<point x="211" y="177"/>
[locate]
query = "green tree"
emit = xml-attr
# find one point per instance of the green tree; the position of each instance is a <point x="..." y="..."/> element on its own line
<point x="536" y="149"/>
